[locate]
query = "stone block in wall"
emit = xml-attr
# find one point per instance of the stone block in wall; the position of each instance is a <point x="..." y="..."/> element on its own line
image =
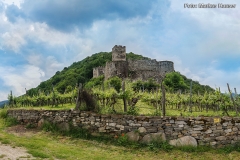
<point x="178" y="129"/>
<point x="142" y="118"/>
<point x="221" y="138"/>
<point x="235" y="129"/>
<point x="113" y="116"/>
<point x="154" y="137"/>
<point x="151" y="129"/>
<point x="199" y="122"/>
<point x="97" y="124"/>
<point x="102" y="129"/>
<point x="198" y="128"/>
<point x="227" y="118"/>
<point x="92" y="118"/>
<point x="236" y="119"/>
<point x="121" y="127"/>
<point x="180" y="122"/>
<point x="208" y="131"/>
<point x="133" y="136"/>
<point x="228" y="130"/>
<point x="127" y="128"/>
<point x="135" y="125"/>
<point x="146" y="124"/>
<point x="182" y="119"/>
<point x="112" y="124"/>
<point x="184" y="141"/>
<point x="84" y="114"/>
<point x="142" y="130"/>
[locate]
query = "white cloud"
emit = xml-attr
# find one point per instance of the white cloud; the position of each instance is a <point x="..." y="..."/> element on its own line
<point x="3" y="95"/>
<point x="51" y="66"/>
<point x="13" y="41"/>
<point x="19" y="78"/>
<point x="15" y="2"/>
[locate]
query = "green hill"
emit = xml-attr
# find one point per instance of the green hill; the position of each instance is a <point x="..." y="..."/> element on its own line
<point x="81" y="72"/>
<point x="2" y="103"/>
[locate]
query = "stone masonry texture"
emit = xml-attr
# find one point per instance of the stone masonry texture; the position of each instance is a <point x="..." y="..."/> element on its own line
<point x="206" y="130"/>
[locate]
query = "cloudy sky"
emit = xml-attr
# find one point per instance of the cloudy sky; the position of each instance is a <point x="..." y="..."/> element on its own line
<point x="40" y="37"/>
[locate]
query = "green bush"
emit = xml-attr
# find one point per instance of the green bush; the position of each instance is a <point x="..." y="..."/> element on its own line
<point x="115" y="82"/>
<point x="10" y="121"/>
<point x="157" y="145"/>
<point x="3" y="113"/>
<point x="47" y="126"/>
<point x="123" y="140"/>
<point x="230" y="148"/>
<point x="133" y="111"/>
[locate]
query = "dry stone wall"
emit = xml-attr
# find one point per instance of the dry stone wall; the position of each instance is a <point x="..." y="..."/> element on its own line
<point x="216" y="132"/>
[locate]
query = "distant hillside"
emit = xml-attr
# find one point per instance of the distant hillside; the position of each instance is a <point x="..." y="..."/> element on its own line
<point x="81" y="72"/>
<point x="2" y="103"/>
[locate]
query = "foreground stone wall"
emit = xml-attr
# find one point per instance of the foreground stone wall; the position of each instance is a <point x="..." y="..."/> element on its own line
<point x="216" y="132"/>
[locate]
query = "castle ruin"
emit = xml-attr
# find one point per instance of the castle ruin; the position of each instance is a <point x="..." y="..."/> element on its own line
<point x="133" y="69"/>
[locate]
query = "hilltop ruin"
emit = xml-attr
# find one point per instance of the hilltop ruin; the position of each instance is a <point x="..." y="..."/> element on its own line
<point x="133" y="69"/>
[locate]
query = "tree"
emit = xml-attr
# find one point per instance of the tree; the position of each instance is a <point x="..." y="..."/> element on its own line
<point x="174" y="81"/>
<point x="115" y="82"/>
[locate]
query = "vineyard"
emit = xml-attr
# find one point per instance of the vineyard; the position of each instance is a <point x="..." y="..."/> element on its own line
<point x="134" y="98"/>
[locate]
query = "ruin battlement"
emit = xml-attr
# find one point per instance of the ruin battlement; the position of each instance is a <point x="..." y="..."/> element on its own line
<point x="119" y="53"/>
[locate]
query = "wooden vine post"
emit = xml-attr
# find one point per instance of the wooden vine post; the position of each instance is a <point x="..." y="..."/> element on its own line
<point x="190" y="101"/>
<point x="124" y="97"/>
<point x="163" y="96"/>
<point x="78" y="100"/>
<point x="10" y="99"/>
<point x="163" y="100"/>
<point x="234" y="104"/>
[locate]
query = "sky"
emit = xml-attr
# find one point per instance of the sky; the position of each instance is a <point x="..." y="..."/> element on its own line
<point x="40" y="37"/>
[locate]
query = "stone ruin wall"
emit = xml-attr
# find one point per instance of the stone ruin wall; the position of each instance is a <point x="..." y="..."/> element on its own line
<point x="213" y="131"/>
<point x="98" y="71"/>
<point x="143" y="65"/>
<point x="145" y="69"/>
<point x="117" y="68"/>
<point x="166" y="66"/>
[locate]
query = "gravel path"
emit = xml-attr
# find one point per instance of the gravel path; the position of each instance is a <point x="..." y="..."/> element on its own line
<point x="7" y="152"/>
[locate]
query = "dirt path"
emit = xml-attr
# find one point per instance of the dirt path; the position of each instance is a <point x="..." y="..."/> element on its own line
<point x="8" y="152"/>
<point x="13" y="153"/>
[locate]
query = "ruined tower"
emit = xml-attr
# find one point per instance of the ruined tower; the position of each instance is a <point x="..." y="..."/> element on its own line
<point x="119" y="53"/>
<point x="118" y="66"/>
